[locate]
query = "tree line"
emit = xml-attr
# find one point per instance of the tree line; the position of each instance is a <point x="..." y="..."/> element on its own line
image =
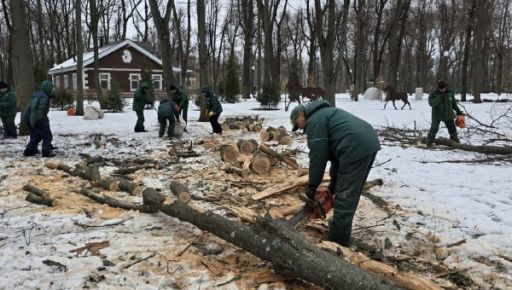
<point x="339" y="45"/>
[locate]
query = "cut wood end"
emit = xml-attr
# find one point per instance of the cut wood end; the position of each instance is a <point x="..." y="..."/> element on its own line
<point x="185" y="197"/>
<point x="137" y="190"/>
<point x="286" y="140"/>
<point x="51" y="165"/>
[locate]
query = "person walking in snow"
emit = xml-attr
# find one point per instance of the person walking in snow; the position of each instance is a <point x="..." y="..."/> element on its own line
<point x="180" y="99"/>
<point x="140" y="99"/>
<point x="167" y="114"/>
<point x="350" y="144"/>
<point x="443" y="105"/>
<point x="214" y="109"/>
<point x="8" y="110"/>
<point x="36" y="119"/>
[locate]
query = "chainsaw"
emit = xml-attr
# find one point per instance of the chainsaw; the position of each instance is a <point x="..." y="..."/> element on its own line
<point x="324" y="203"/>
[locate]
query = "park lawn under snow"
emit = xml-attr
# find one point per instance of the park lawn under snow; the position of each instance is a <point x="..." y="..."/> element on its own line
<point x="454" y="201"/>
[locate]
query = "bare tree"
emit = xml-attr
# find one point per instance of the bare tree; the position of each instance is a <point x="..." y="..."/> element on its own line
<point x="360" y="52"/>
<point x="94" y="23"/>
<point x="184" y="48"/>
<point x="378" y="43"/>
<point x="144" y="35"/>
<point x="467" y="47"/>
<point x="21" y="57"/>
<point x="247" y="23"/>
<point x="79" y="59"/>
<point x="401" y="12"/>
<point x="503" y="33"/>
<point x="478" y="59"/>
<point x="162" y="28"/>
<point x="330" y="24"/>
<point x="312" y="46"/>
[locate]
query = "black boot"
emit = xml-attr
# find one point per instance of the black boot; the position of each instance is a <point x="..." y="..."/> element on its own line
<point x="48" y="154"/>
<point x="454" y="138"/>
<point x="430" y="143"/>
<point x="30" y="152"/>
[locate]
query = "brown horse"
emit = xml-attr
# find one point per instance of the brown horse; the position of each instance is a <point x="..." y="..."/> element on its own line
<point x="392" y="95"/>
<point x="312" y="93"/>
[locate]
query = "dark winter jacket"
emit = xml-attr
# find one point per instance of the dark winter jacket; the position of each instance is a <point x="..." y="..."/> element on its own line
<point x="8" y="103"/>
<point x="443" y="105"/>
<point x="166" y="108"/>
<point x="39" y="105"/>
<point x="180" y="98"/>
<point x="140" y="97"/>
<point x="212" y="101"/>
<point x="336" y="135"/>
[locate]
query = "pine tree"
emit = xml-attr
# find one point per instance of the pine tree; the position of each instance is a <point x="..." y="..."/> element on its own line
<point x="146" y="76"/>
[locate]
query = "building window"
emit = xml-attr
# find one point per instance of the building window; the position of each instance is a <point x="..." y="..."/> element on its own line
<point x="134" y="81"/>
<point x="75" y="81"/>
<point x="105" y="81"/>
<point x="66" y="84"/>
<point x="57" y="81"/>
<point x="157" y="82"/>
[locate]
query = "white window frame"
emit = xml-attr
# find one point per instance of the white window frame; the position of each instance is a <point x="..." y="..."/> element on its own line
<point x="108" y="79"/>
<point x="158" y="79"/>
<point x="132" y="78"/>
<point x="75" y="81"/>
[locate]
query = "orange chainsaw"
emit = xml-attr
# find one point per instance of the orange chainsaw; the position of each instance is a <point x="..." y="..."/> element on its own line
<point x="323" y="203"/>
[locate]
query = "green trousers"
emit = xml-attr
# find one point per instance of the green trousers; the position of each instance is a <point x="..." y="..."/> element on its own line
<point x="348" y="185"/>
<point x="9" y="126"/>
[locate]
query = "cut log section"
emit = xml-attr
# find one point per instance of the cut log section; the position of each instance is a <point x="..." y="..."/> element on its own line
<point x="228" y="153"/>
<point x="37" y="196"/>
<point x="130" y="187"/>
<point x="244" y="173"/>
<point x="247" y="146"/>
<point x="261" y="162"/>
<point x="285" y="139"/>
<point x="292" y="163"/>
<point x="180" y="191"/>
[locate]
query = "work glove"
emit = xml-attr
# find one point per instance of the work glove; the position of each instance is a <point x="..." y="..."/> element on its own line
<point x="310" y="192"/>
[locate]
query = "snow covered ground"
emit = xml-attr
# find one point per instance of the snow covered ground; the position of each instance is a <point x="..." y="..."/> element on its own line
<point x="453" y="201"/>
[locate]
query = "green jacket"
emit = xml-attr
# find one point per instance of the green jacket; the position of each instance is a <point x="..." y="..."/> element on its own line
<point x="39" y="105"/>
<point x="180" y="98"/>
<point x="166" y="108"/>
<point x="443" y="105"/>
<point x="8" y="103"/>
<point x="335" y="135"/>
<point x="213" y="103"/>
<point x="140" y="97"/>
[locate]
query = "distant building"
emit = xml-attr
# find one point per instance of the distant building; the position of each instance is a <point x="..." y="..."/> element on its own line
<point x="119" y="62"/>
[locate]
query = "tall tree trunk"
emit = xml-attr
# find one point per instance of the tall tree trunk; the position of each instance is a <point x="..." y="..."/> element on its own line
<point x="503" y="34"/>
<point x="328" y="30"/>
<point x="162" y="28"/>
<point x="79" y="59"/>
<point x="467" y="49"/>
<point x="21" y="58"/>
<point x="248" y="30"/>
<point x="379" y="7"/>
<point x="203" y="55"/>
<point x="478" y="60"/>
<point x="95" y="18"/>
<point x="395" y="42"/>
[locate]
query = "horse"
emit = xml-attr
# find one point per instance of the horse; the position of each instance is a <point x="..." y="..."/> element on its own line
<point x="392" y="95"/>
<point x="312" y="93"/>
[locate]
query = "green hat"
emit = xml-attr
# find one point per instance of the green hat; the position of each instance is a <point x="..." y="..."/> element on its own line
<point x="205" y="89"/>
<point x="295" y="114"/>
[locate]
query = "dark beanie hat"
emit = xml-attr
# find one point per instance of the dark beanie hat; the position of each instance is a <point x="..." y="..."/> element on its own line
<point x="4" y="85"/>
<point x="442" y="85"/>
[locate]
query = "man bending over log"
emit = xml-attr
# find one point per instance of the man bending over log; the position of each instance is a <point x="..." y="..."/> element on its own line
<point x="351" y="145"/>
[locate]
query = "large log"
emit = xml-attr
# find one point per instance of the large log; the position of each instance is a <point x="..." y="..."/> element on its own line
<point x="290" y="162"/>
<point x="286" y="249"/>
<point x="485" y="149"/>
<point x="261" y="163"/>
<point x="228" y="153"/>
<point x="130" y="187"/>
<point x="247" y="146"/>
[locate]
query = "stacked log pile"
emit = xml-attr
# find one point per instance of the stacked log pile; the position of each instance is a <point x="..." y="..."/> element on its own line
<point x="249" y="123"/>
<point x="279" y="135"/>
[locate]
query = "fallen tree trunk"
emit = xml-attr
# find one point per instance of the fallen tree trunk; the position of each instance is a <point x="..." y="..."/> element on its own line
<point x="292" y="163"/>
<point x="286" y="249"/>
<point x="130" y="187"/>
<point x="485" y="149"/>
<point x="114" y="202"/>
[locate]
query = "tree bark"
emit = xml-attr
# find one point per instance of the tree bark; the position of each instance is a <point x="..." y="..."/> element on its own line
<point x="22" y="61"/>
<point x="37" y="195"/>
<point x="79" y="59"/>
<point x="203" y="55"/>
<point x="248" y="30"/>
<point x="290" y="162"/>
